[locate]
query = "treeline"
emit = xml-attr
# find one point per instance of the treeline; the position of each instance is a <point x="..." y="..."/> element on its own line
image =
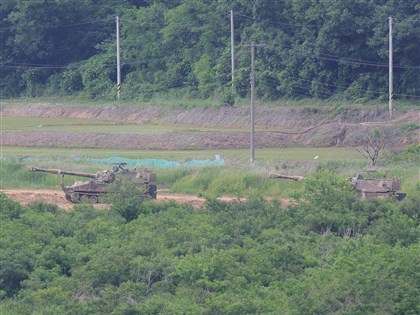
<point x="318" y="49"/>
<point x="327" y="254"/>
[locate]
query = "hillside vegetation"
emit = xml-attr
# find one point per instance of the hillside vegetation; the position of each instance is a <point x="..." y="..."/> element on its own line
<point x="280" y="247"/>
<point x="327" y="254"/>
<point x="322" y="49"/>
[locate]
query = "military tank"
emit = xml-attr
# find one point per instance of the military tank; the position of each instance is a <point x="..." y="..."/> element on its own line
<point x="370" y="188"/>
<point x="100" y="183"/>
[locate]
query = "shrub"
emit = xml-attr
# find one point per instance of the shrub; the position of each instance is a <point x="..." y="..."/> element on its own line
<point x="9" y="209"/>
<point x="326" y="205"/>
<point x="127" y="200"/>
<point x="411" y="154"/>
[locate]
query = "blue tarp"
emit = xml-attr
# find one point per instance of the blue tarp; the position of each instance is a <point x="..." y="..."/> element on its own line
<point x="155" y="162"/>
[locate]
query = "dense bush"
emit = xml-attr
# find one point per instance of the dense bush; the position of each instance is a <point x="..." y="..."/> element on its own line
<point x="225" y="258"/>
<point x="319" y="49"/>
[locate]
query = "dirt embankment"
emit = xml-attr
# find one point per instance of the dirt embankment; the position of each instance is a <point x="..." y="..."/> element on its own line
<point x="276" y="127"/>
<point x="57" y="197"/>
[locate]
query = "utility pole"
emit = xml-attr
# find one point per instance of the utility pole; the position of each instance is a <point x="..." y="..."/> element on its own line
<point x="232" y="45"/>
<point x="118" y="58"/>
<point x="252" y="101"/>
<point x="391" y="90"/>
<point x="253" y="45"/>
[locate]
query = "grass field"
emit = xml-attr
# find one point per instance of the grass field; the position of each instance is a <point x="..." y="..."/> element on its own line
<point x="10" y="123"/>
<point x="238" y="177"/>
<point x="266" y="154"/>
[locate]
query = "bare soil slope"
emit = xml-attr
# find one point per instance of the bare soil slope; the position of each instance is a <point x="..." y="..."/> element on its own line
<point x="276" y="127"/>
<point x="57" y="197"/>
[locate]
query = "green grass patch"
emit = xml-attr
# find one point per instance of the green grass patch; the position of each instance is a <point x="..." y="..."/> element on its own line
<point x="222" y="181"/>
<point x="275" y="155"/>
<point x="238" y="179"/>
<point x="15" y="174"/>
<point x="11" y="123"/>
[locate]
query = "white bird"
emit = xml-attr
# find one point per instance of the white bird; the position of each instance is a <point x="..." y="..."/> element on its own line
<point x="315" y="158"/>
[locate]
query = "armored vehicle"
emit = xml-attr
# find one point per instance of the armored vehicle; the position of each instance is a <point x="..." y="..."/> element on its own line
<point x="370" y="188"/>
<point x="100" y="183"/>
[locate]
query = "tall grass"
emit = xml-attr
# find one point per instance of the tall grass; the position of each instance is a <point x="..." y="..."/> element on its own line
<point x="237" y="179"/>
<point x="15" y="174"/>
<point x="221" y="181"/>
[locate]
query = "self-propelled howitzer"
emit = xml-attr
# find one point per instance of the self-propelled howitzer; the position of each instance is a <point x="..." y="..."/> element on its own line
<point x="370" y="188"/>
<point x="100" y="183"/>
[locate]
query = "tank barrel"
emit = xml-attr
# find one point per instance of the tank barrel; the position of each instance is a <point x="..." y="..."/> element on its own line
<point x="99" y="185"/>
<point x="61" y="172"/>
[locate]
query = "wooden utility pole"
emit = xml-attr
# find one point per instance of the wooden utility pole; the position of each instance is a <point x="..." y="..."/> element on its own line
<point x="232" y="45"/>
<point x="253" y="45"/>
<point x="252" y="101"/>
<point x="118" y="58"/>
<point x="391" y="88"/>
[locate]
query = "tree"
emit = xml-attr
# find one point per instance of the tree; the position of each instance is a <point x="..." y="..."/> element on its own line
<point x="326" y="205"/>
<point x="127" y="200"/>
<point x="373" y="144"/>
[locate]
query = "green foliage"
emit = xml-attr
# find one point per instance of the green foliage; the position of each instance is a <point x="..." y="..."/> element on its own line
<point x="411" y="154"/>
<point x="71" y="81"/>
<point x="332" y="166"/>
<point x="326" y="206"/>
<point x="226" y="258"/>
<point x="322" y="50"/>
<point x="14" y="173"/>
<point x="220" y="181"/>
<point x="168" y="177"/>
<point x="96" y="75"/>
<point x="227" y="183"/>
<point x="350" y="281"/>
<point x="9" y="209"/>
<point x="43" y="37"/>
<point x="205" y="77"/>
<point x="127" y="199"/>
<point x="396" y="228"/>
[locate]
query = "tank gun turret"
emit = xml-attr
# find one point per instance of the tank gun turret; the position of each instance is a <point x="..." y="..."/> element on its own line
<point x="99" y="183"/>
<point x="368" y="188"/>
<point x="61" y="172"/>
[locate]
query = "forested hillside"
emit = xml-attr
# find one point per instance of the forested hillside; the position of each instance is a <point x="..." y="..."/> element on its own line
<point x="319" y="49"/>
<point x="326" y="254"/>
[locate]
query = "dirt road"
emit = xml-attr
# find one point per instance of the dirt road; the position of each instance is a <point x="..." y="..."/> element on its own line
<point x="57" y="197"/>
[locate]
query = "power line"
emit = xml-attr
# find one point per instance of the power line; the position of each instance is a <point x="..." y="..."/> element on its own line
<point x="277" y="23"/>
<point x="364" y="63"/>
<point x="321" y="56"/>
<point x="32" y="66"/>
<point x="348" y="60"/>
<point x="338" y="86"/>
<point x="18" y="65"/>
<point x="83" y="23"/>
<point x="407" y="20"/>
